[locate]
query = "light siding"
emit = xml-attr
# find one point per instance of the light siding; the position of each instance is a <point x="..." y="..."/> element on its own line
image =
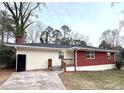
<point x="69" y="55"/>
<point x="38" y="58"/>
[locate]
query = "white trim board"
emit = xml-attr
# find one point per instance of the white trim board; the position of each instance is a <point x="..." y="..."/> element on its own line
<point x="92" y="68"/>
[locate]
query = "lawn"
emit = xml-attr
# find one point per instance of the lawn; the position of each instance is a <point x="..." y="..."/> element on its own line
<point x="5" y="74"/>
<point x="101" y="80"/>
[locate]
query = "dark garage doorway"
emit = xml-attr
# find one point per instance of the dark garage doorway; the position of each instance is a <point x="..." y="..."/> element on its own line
<point x="21" y="62"/>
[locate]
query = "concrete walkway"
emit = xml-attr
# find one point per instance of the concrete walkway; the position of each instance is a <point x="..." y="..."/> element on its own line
<point x="34" y="80"/>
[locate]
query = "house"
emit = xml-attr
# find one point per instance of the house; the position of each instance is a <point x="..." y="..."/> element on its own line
<point x="34" y="56"/>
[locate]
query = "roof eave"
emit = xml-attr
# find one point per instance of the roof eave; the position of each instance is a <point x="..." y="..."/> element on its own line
<point x="100" y="50"/>
<point x="73" y="48"/>
<point x="34" y="47"/>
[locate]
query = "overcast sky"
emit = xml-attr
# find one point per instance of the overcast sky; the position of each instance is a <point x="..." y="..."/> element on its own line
<point x="89" y="19"/>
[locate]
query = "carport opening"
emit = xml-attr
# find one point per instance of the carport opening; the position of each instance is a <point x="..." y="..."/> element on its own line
<point x="21" y="62"/>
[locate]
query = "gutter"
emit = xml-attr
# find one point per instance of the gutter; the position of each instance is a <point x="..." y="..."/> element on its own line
<point x="101" y="50"/>
<point x="26" y="46"/>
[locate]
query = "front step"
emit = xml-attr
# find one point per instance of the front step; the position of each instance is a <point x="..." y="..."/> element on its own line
<point x="70" y="68"/>
<point x="56" y="69"/>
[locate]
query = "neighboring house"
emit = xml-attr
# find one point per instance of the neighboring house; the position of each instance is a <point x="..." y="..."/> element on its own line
<point x="34" y="56"/>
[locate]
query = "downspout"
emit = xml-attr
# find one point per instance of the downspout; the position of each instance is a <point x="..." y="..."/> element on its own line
<point x="16" y="57"/>
<point x="75" y="59"/>
<point x="114" y="58"/>
<point x="115" y="55"/>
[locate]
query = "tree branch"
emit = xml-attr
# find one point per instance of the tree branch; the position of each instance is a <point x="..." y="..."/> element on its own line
<point x="16" y="9"/>
<point x="9" y="8"/>
<point x="20" y="9"/>
<point x="26" y="9"/>
<point x="28" y="15"/>
<point x="28" y="25"/>
<point x="31" y="36"/>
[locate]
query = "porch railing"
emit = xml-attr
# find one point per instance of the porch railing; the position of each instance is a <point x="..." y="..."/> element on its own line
<point x="65" y="63"/>
<point x="69" y="62"/>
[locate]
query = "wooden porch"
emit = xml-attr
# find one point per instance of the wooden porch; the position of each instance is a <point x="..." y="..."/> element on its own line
<point x="66" y="65"/>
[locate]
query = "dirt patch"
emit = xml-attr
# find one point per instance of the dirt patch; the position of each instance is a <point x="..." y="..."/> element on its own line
<point x="5" y="74"/>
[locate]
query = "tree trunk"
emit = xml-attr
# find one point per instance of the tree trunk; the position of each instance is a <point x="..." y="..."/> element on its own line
<point x="46" y="38"/>
<point x="2" y="41"/>
<point x="7" y="37"/>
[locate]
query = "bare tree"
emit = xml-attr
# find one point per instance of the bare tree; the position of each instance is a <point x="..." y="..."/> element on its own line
<point x="5" y="26"/>
<point x="78" y="38"/>
<point x="111" y="37"/>
<point x="21" y="13"/>
<point x="34" y="32"/>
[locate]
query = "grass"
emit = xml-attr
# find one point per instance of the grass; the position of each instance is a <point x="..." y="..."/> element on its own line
<point x="5" y="74"/>
<point x="99" y="80"/>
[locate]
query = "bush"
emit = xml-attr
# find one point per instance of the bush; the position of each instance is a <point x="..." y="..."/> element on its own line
<point x="6" y="56"/>
<point x="119" y="64"/>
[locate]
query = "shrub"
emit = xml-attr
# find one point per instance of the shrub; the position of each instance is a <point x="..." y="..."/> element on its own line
<point x="119" y="64"/>
<point x="6" y="55"/>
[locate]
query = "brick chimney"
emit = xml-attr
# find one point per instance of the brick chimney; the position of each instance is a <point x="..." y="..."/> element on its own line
<point x="19" y="40"/>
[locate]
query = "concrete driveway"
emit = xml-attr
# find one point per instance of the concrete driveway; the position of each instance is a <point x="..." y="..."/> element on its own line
<point x="34" y="80"/>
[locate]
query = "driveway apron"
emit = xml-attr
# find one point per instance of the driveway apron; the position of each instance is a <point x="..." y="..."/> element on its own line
<point x="34" y="80"/>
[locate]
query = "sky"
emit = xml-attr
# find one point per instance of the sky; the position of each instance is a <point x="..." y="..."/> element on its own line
<point x="89" y="19"/>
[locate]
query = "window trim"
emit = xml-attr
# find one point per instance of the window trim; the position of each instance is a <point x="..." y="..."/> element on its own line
<point x="108" y="56"/>
<point x="61" y="54"/>
<point x="90" y="54"/>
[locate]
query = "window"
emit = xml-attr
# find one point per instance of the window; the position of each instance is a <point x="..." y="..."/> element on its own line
<point x="61" y="55"/>
<point x="90" y="55"/>
<point x="108" y="55"/>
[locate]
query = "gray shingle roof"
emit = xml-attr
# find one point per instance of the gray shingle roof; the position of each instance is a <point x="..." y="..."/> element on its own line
<point x="48" y="45"/>
<point x="44" y="45"/>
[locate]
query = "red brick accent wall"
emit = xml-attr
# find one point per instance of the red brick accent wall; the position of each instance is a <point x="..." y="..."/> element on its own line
<point x="100" y="59"/>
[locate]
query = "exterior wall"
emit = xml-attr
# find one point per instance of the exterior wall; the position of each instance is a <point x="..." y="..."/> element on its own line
<point x="38" y="59"/>
<point x="69" y="55"/>
<point x="100" y="59"/>
<point x="92" y="68"/>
